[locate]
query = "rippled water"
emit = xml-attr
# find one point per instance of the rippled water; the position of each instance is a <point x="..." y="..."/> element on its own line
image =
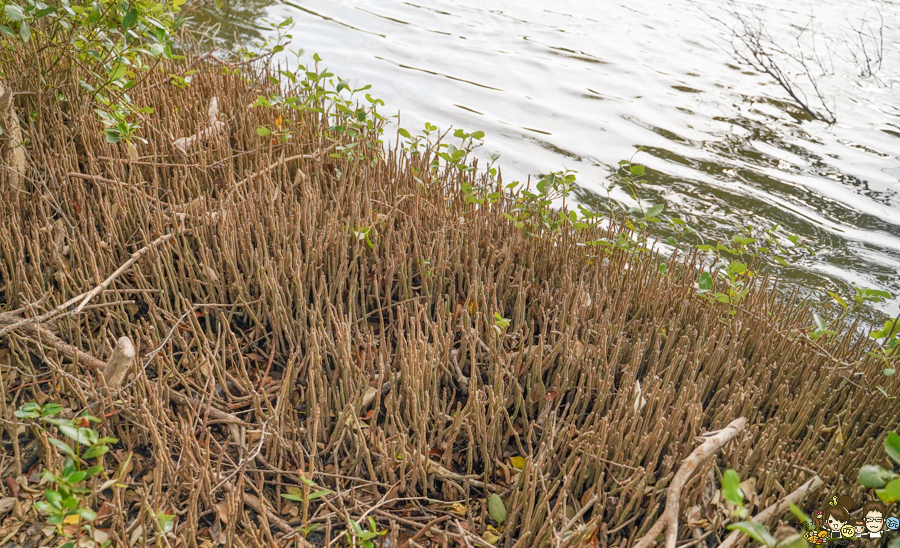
<point x="582" y="84"/>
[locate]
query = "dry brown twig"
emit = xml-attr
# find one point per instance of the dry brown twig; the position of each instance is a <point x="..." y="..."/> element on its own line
<point x="87" y="296"/>
<point x="713" y="441"/>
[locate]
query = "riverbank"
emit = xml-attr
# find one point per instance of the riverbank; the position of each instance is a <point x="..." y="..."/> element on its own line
<point x="313" y="317"/>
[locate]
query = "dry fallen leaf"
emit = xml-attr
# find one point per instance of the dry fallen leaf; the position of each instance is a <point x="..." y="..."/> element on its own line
<point x="491" y="535"/>
<point x="517" y="462"/>
<point x="13" y="486"/>
<point x="6" y="504"/>
<point x="136" y="535"/>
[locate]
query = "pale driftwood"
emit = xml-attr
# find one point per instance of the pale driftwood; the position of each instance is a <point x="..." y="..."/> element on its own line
<point x="812" y="485"/>
<point x="119" y="364"/>
<point x="12" y="153"/>
<point x="216" y="126"/>
<point x="712" y="442"/>
<point x="42" y="335"/>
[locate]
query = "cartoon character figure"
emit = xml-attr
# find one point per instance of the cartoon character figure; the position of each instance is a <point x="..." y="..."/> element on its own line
<point x="817" y="519"/>
<point x="817" y="537"/>
<point x="836" y="517"/>
<point x="873" y="513"/>
<point x="892" y="523"/>
<point x="858" y="528"/>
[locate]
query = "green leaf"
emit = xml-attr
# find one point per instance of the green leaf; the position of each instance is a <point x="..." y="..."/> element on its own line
<point x="51" y="409"/>
<point x="820" y="322"/>
<point x="53" y="497"/>
<point x="93" y="471"/>
<point x="118" y="72"/>
<point x="892" y="444"/>
<point x="730" y="487"/>
<point x="296" y="498"/>
<point x="77" y="477"/>
<point x="130" y="19"/>
<point x="7" y="31"/>
<point x="263" y="131"/>
<point x="86" y="514"/>
<point x="754" y="530"/>
<point x="838" y="298"/>
<point x="62" y="446"/>
<point x="165" y="522"/>
<point x="637" y="170"/>
<point x="799" y="514"/>
<point x="891" y="493"/>
<point x="95" y="451"/>
<point x="705" y="281"/>
<point x="24" y="31"/>
<point x="14" y="12"/>
<point x="655" y="210"/>
<point x="317" y="494"/>
<point x="478" y="135"/>
<point x="872" y="475"/>
<point x="496" y="508"/>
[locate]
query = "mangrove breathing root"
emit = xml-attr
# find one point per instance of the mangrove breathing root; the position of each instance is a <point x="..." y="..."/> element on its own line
<point x="713" y="441"/>
<point x="811" y="486"/>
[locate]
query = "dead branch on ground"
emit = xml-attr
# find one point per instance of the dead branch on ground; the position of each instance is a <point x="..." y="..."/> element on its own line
<point x="713" y="441"/>
<point x="795" y="497"/>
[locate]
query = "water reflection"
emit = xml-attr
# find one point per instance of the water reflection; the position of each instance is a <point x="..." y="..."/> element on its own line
<point x="584" y="84"/>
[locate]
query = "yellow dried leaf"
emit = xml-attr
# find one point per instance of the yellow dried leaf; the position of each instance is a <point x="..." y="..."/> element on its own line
<point x="74" y="519"/>
<point x="459" y="509"/>
<point x="517" y="462"/>
<point x="490" y="536"/>
<point x="278" y="123"/>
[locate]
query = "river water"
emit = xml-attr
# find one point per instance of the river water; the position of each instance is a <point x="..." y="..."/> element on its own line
<point x="582" y="84"/>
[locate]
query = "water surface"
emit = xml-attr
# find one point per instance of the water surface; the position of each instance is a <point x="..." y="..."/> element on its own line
<point x="582" y="84"/>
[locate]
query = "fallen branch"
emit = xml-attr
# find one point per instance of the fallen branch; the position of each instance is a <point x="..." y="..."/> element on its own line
<point x="424" y="530"/>
<point x="216" y="127"/>
<point x="87" y="296"/>
<point x="795" y="497"/>
<point x="41" y="333"/>
<point x="713" y="441"/>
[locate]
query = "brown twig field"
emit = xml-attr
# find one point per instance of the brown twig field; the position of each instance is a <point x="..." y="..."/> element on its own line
<point x="274" y="345"/>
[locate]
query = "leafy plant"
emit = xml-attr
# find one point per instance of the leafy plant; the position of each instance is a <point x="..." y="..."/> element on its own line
<point x="760" y="533"/>
<point x="885" y="481"/>
<point x="303" y="496"/>
<point x="113" y="45"/>
<point x="362" y="538"/>
<point x="66" y="503"/>
<point x="500" y="323"/>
